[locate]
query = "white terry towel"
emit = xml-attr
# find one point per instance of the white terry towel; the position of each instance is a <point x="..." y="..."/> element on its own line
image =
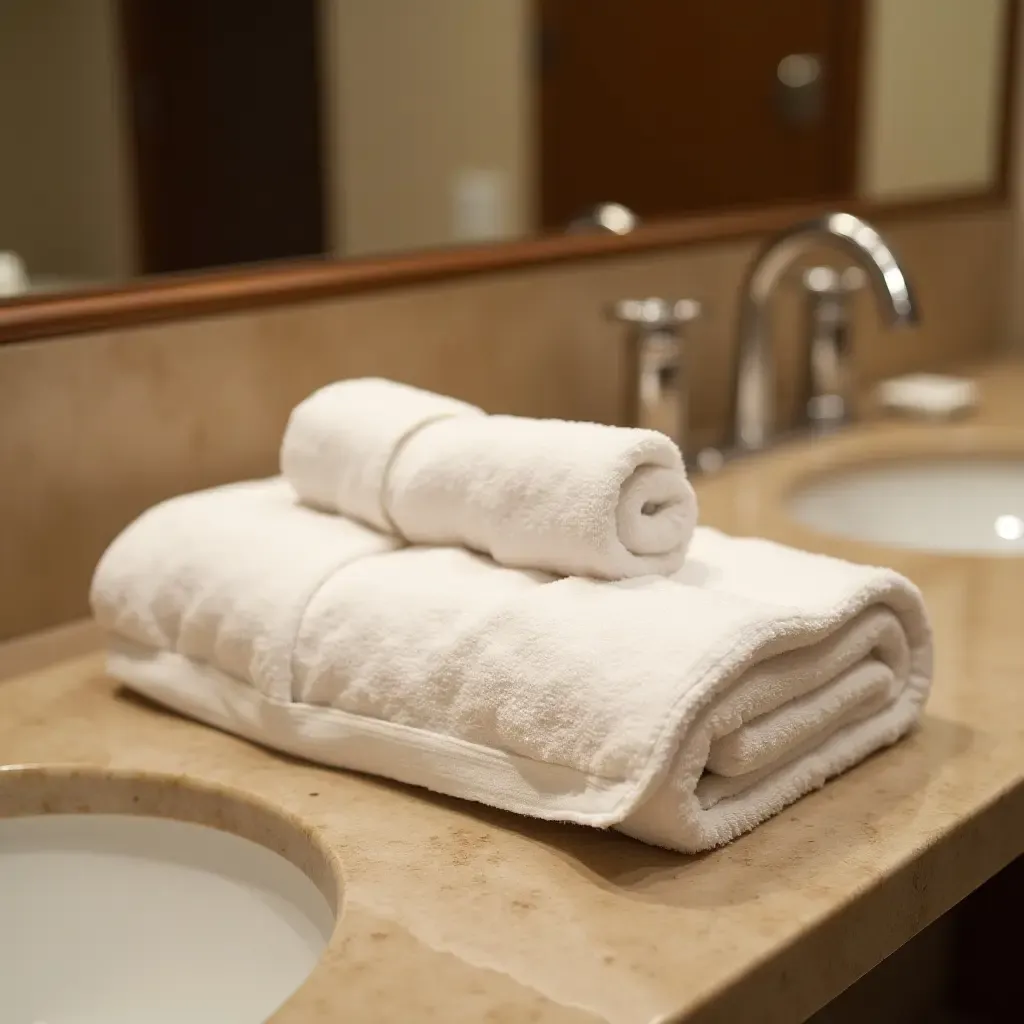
<point x="682" y="710"/>
<point x="569" y="498"/>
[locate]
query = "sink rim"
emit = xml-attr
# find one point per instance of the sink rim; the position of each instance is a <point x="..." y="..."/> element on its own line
<point x="752" y="496"/>
<point x="927" y="444"/>
<point x="48" y="788"/>
<point x="914" y="447"/>
<point x="33" y="789"/>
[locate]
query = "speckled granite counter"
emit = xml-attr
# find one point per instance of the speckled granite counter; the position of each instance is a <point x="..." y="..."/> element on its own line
<point x="456" y="913"/>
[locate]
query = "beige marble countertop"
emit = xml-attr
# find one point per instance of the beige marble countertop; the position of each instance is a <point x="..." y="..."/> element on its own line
<point x="456" y="913"/>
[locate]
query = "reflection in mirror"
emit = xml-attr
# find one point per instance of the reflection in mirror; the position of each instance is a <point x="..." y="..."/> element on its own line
<point x="611" y="217"/>
<point x="154" y="136"/>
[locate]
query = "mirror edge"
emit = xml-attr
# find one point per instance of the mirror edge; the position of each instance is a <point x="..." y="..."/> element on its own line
<point x="216" y="292"/>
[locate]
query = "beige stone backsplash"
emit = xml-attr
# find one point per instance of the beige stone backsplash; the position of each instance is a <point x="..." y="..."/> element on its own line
<point x="93" y="428"/>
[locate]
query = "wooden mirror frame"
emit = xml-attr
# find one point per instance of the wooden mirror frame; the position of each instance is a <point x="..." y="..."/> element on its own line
<point x="213" y="292"/>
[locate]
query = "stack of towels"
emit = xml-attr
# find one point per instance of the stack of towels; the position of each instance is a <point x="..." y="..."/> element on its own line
<point x="513" y="611"/>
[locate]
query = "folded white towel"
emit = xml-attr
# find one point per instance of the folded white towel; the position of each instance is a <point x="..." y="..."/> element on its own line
<point x="682" y="711"/>
<point x="568" y="498"/>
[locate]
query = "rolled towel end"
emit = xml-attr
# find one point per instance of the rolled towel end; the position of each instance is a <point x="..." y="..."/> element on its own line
<point x="574" y="499"/>
<point x="655" y="519"/>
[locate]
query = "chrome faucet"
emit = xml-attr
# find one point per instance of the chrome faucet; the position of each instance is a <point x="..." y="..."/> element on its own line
<point x="754" y="392"/>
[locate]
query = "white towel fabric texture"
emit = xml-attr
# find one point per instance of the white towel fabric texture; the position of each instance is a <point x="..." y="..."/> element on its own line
<point x="569" y="498"/>
<point x="683" y="711"/>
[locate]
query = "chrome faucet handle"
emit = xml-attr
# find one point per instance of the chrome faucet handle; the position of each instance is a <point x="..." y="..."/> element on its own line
<point x="827" y="385"/>
<point x="657" y="392"/>
<point x="824" y="280"/>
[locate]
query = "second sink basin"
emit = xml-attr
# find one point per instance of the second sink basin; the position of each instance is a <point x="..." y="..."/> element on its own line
<point x="963" y="505"/>
<point x="121" y="917"/>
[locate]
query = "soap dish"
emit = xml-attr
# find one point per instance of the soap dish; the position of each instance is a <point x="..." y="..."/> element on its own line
<point x="928" y="395"/>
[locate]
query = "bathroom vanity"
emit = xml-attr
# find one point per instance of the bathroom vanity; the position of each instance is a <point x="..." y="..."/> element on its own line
<point x="418" y="205"/>
<point x="453" y="912"/>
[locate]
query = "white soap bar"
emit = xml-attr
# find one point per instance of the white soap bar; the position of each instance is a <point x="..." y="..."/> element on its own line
<point x="928" y="394"/>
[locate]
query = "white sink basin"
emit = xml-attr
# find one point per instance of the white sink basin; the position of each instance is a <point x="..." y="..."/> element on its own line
<point x="965" y="505"/>
<point x="116" y="919"/>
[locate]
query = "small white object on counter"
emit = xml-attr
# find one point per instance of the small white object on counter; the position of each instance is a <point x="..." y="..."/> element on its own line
<point x="928" y="395"/>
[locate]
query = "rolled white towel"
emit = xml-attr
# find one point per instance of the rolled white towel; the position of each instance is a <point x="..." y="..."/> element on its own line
<point x="340" y="442"/>
<point x="569" y="498"/>
<point x="682" y="710"/>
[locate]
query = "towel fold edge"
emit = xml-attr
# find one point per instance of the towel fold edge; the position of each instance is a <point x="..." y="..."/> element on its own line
<point x="340" y="739"/>
<point x="718" y="668"/>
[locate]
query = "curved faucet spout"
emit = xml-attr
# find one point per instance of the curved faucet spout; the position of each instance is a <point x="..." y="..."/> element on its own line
<point x="753" y="419"/>
<point x="852" y="235"/>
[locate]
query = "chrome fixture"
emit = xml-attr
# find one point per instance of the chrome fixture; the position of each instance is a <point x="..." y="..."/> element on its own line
<point x="754" y="421"/>
<point x="826" y="390"/>
<point x="613" y="218"/>
<point x="657" y="389"/>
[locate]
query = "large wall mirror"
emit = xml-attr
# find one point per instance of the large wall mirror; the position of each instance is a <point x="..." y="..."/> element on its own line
<point x="147" y="137"/>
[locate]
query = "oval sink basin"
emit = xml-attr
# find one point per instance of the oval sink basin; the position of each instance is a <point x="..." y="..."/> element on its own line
<point x="964" y="505"/>
<point x="117" y="918"/>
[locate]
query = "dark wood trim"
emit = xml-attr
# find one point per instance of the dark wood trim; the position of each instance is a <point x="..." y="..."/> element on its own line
<point x="177" y="297"/>
<point x="846" y="80"/>
<point x="1007" y="136"/>
<point x="207" y="187"/>
<point x="133" y="44"/>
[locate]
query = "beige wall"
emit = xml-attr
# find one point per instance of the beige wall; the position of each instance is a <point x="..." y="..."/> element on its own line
<point x="65" y="204"/>
<point x="933" y="96"/>
<point x="420" y="92"/>
<point x="94" y="428"/>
